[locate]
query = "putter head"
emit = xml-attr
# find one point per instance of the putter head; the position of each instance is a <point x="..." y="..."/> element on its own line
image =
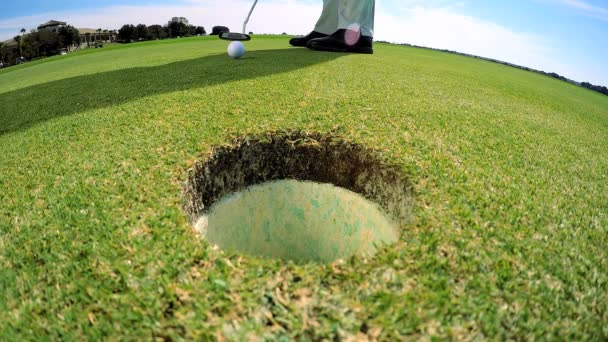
<point x="234" y="36"/>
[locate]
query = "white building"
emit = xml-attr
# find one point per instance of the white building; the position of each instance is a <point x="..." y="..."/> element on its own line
<point x="52" y="25"/>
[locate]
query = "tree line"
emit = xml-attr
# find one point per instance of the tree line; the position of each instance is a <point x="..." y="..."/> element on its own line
<point x="38" y="44"/>
<point x="46" y="43"/>
<point x="130" y="33"/>
<point x="599" y="89"/>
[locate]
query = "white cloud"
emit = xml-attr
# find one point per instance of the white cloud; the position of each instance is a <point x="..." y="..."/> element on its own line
<point x="269" y="17"/>
<point x="445" y="29"/>
<point x="587" y="8"/>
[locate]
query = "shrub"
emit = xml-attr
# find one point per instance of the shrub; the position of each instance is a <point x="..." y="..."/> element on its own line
<point x="219" y="29"/>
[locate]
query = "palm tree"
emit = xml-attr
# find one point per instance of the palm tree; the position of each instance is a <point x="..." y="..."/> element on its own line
<point x="98" y="32"/>
<point x="18" y="40"/>
<point x="22" y="31"/>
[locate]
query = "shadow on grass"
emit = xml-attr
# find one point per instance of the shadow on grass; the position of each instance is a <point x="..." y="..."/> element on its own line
<point x="23" y="108"/>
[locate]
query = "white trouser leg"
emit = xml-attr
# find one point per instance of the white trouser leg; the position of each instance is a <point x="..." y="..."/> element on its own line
<point x="328" y="21"/>
<point x="342" y="14"/>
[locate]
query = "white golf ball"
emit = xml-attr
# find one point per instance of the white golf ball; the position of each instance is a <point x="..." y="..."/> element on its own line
<point x="236" y="50"/>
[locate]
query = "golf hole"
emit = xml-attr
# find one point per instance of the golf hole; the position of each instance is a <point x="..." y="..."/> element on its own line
<point x="297" y="196"/>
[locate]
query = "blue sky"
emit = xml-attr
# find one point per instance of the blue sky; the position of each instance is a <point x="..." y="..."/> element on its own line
<point x="578" y="32"/>
<point x="569" y="37"/>
<point x="29" y="7"/>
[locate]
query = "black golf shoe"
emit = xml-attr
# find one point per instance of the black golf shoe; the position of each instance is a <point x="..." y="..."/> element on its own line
<point x="343" y="41"/>
<point x="303" y="40"/>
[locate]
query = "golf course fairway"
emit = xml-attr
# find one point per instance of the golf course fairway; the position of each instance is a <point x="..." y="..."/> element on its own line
<point x="508" y="237"/>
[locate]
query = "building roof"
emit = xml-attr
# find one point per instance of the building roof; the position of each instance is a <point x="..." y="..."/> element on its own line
<point x="51" y="23"/>
<point x="87" y="30"/>
<point x="91" y="31"/>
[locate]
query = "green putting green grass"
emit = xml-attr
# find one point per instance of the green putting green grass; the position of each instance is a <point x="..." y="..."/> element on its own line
<point x="510" y="168"/>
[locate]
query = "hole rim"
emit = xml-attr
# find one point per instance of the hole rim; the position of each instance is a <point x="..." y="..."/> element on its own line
<point x="254" y="159"/>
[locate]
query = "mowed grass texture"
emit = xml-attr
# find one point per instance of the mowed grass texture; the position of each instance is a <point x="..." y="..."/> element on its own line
<point x="510" y="171"/>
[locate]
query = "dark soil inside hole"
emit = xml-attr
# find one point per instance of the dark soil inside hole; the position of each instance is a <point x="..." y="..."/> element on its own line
<point x="320" y="158"/>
